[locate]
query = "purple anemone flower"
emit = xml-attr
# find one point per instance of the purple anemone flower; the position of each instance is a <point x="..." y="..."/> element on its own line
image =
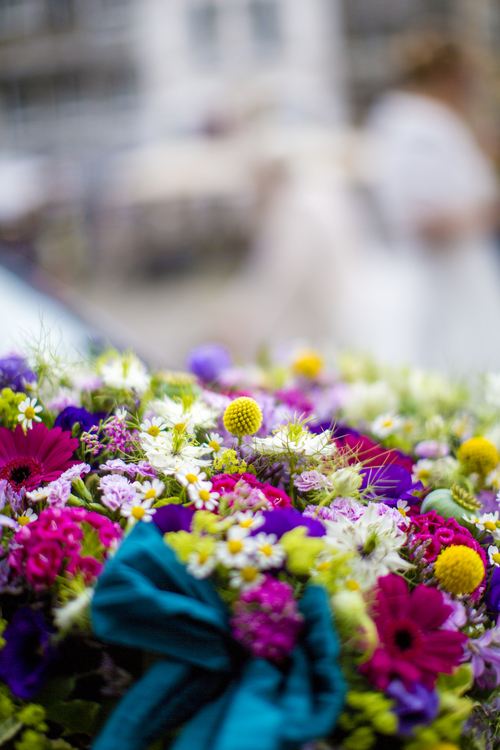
<point x="413" y="707"/>
<point x="15" y="373"/>
<point x="209" y="361"/>
<point x="390" y="483"/>
<point x="281" y="520"/>
<point x="173" y="517"/>
<point x="72" y="414"/>
<point x="27" y="656"/>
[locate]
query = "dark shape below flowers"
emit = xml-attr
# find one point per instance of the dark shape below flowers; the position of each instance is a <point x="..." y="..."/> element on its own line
<point x="413" y="707"/>
<point x="27" y="656"/>
<point x="72" y="415"/>
<point x="39" y="455"/>
<point x="412" y="646"/>
<point x="390" y="483"/>
<point x="15" y="373"/>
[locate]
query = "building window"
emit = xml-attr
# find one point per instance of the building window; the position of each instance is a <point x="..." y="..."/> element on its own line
<point x="265" y="24"/>
<point x="203" y="28"/>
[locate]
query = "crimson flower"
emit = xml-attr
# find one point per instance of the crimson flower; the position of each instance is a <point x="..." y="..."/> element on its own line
<point x="39" y="455"/>
<point x="412" y="648"/>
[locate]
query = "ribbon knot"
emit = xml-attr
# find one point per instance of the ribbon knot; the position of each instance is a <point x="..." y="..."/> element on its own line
<point x="230" y="701"/>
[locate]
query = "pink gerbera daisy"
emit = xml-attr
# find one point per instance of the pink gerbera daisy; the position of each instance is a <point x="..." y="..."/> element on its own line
<point x="39" y="455"/>
<point x="413" y="647"/>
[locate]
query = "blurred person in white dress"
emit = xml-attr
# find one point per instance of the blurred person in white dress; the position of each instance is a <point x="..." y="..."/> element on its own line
<point x="436" y="194"/>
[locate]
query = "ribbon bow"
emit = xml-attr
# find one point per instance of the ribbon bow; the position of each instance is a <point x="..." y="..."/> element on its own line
<point x="230" y="701"/>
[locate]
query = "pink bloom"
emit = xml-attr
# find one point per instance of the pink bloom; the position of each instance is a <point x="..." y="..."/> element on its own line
<point x="413" y="646"/>
<point x="278" y="498"/>
<point x="116" y="491"/>
<point x="44" y="563"/>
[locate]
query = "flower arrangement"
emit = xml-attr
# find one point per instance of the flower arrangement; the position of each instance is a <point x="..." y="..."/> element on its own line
<point x="286" y="552"/>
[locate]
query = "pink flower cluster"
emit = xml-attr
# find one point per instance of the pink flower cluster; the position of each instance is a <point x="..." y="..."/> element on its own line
<point x="267" y="619"/>
<point x="440" y="533"/>
<point x="240" y="484"/>
<point x="119" y="436"/>
<point x="54" y="544"/>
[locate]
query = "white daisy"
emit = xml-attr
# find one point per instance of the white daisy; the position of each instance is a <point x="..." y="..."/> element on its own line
<point x="215" y="442"/>
<point x="494" y="555"/>
<point x="29" y="412"/>
<point x="171" y="452"/>
<point x="138" y="510"/>
<point x="293" y="438"/>
<point x="248" y="520"/>
<point x="194" y="412"/>
<point x="153" y="427"/>
<point x="486" y="522"/>
<point x="203" y="496"/>
<point x="200" y="564"/>
<point x="125" y="372"/>
<point x="386" y="424"/>
<point x="189" y="475"/>
<point x="27" y="517"/>
<point x="245" y="578"/>
<point x="236" y="551"/>
<point x="269" y="553"/>
<point x="150" y="490"/>
<point x="121" y="414"/>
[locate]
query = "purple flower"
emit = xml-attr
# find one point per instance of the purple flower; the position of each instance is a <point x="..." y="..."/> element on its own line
<point x="173" y="517"/>
<point x="389" y="483"/>
<point x="267" y="619"/>
<point x="413" y="707"/>
<point x="431" y="449"/>
<point x="26" y="658"/>
<point x="15" y="373"/>
<point x="341" y="506"/>
<point x="484" y="655"/>
<point x="116" y="490"/>
<point x="281" y="520"/>
<point x="117" y="466"/>
<point x="207" y="362"/>
<point x="73" y="415"/>
<point x="492" y="597"/>
<point x="310" y="480"/>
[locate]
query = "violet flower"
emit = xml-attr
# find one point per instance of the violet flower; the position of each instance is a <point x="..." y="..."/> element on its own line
<point x="484" y="655"/>
<point x="389" y="483"/>
<point x="413" y="707"/>
<point x="27" y="656"/>
<point x="173" y="517"/>
<point x="207" y="362"/>
<point x="15" y="373"/>
<point x="73" y="415"/>
<point x="281" y="520"/>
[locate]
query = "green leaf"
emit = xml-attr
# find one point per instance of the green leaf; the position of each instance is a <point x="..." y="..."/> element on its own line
<point x="457" y="683"/>
<point x="76" y="716"/>
<point x="8" y="729"/>
<point x="56" y="689"/>
<point x="167" y="501"/>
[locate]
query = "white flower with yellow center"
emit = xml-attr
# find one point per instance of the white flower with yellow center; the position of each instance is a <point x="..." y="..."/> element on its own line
<point x="246" y="519"/>
<point x="269" y="553"/>
<point x="203" y="497"/>
<point x="172" y="451"/>
<point x="200" y="563"/>
<point x="237" y="550"/>
<point x="192" y="411"/>
<point x="493" y="479"/>
<point x="152" y="428"/>
<point x="494" y="555"/>
<point x="27" y="517"/>
<point x="190" y="475"/>
<point x="486" y="522"/>
<point x="28" y="412"/>
<point x="150" y="490"/>
<point x="245" y="578"/>
<point x="215" y="443"/>
<point x="138" y="510"/>
<point x="121" y="414"/>
<point x="295" y="439"/>
<point x="422" y="471"/>
<point x="386" y="424"/>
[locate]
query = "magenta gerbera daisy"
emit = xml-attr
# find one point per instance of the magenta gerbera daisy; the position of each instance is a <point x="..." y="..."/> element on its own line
<point x="412" y="647"/>
<point x="39" y="455"/>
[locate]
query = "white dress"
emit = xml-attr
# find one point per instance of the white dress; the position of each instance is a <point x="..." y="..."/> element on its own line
<point x="425" y="162"/>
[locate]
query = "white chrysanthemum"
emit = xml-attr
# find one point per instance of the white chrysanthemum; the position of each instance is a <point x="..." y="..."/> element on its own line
<point x="245" y="578"/>
<point x="237" y="550"/>
<point x="203" y="496"/>
<point x="150" y="490"/>
<point x="200" y="564"/>
<point x="386" y="424"/>
<point x="269" y="553"/>
<point x="167" y="453"/>
<point x="27" y="517"/>
<point x="138" y="509"/>
<point x="294" y="439"/>
<point x="29" y="412"/>
<point x="125" y="372"/>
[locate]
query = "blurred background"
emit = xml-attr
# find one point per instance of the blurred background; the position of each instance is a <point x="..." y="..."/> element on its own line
<point x="177" y="171"/>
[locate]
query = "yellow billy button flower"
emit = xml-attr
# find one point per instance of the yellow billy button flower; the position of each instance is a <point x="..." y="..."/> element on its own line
<point x="243" y="417"/>
<point x="459" y="569"/>
<point x="478" y="456"/>
<point x="308" y="362"/>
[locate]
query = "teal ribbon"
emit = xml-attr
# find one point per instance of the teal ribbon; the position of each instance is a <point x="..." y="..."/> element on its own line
<point x="230" y="701"/>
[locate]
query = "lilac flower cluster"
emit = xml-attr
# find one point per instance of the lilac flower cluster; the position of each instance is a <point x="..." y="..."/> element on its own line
<point x="54" y="543"/>
<point x="267" y="619"/>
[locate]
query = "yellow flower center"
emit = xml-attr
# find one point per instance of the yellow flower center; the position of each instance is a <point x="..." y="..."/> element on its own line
<point x="180" y="427"/>
<point x="202" y="557"/>
<point x="387" y="423"/>
<point x="403" y="512"/>
<point x="150" y="494"/>
<point x="154" y="431"/>
<point x="267" y="550"/>
<point x="495" y="557"/>
<point x="352" y="585"/>
<point x="323" y="566"/>
<point x="234" y="546"/>
<point x="249" y="574"/>
<point x="246" y="523"/>
<point x="23" y="520"/>
<point x="489" y="526"/>
<point x="29" y="412"/>
<point x="204" y="495"/>
<point x="138" y="512"/>
<point x="215" y="446"/>
<point x="459" y="569"/>
<point x="191" y="478"/>
<point x="243" y="417"/>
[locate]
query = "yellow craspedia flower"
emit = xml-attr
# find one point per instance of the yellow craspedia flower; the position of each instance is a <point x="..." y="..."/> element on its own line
<point x="243" y="417"/>
<point x="308" y="362"/>
<point x="459" y="569"/>
<point x="478" y="455"/>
